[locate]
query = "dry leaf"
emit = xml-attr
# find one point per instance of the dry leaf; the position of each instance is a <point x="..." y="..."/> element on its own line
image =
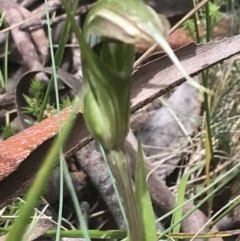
<point x="159" y="76"/>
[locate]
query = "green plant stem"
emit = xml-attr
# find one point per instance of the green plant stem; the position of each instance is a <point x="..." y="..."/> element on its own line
<point x="196" y="24"/>
<point x="119" y="234"/>
<point x="6" y="60"/>
<point x="114" y="185"/>
<point x="54" y="75"/>
<point x="205" y="76"/>
<point x="120" y="166"/>
<point x="208" y="23"/>
<point x="58" y="59"/>
<point x="40" y="181"/>
<point x="84" y="46"/>
<point x="75" y="203"/>
<point x="54" y="79"/>
<point x="206" y="107"/>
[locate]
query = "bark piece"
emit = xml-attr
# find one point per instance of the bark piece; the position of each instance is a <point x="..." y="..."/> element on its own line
<point x="93" y="164"/>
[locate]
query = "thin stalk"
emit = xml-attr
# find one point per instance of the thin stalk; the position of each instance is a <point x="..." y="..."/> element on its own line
<point x="84" y="46"/>
<point x="114" y="186"/>
<point x="58" y="58"/>
<point x="75" y="201"/>
<point x="205" y="75"/>
<point x="6" y="60"/>
<point x="208" y="23"/>
<point x="196" y="23"/>
<point x="53" y="60"/>
<point x="120" y="166"/>
<point x="60" y="209"/>
<point x="209" y="145"/>
<point x="56" y="62"/>
<point x="41" y="180"/>
<point x="2" y="82"/>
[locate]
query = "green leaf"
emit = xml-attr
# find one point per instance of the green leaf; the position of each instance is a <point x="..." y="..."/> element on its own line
<point x="133" y="22"/>
<point x="177" y="215"/>
<point x="1" y="18"/>
<point x="8" y="131"/>
<point x="143" y="199"/>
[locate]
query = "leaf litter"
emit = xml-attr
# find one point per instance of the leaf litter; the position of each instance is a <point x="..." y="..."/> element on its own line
<point x="167" y="131"/>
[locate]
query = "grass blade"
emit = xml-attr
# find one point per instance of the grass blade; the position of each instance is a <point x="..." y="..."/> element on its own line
<point x="143" y="200"/>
